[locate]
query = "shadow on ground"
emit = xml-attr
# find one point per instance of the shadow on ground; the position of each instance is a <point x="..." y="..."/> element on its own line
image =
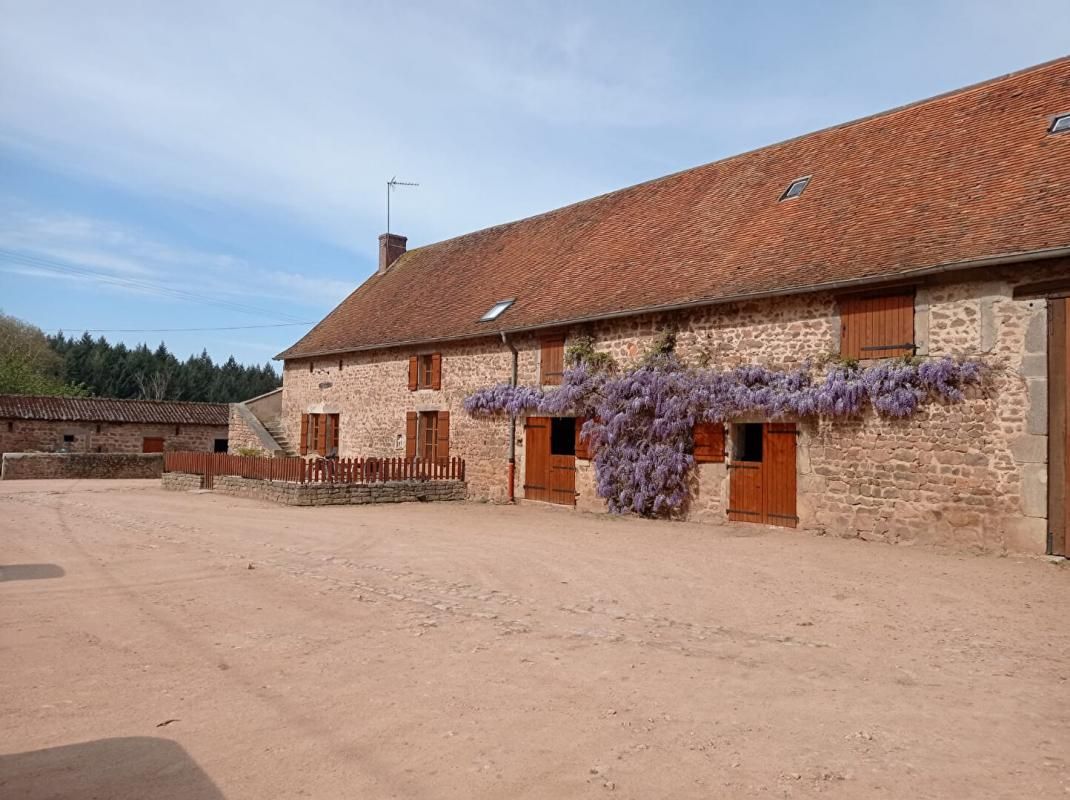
<point x="30" y="572"/>
<point x="117" y="769"/>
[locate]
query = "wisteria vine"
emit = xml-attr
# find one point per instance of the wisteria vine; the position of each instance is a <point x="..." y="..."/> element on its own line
<point x="640" y="421"/>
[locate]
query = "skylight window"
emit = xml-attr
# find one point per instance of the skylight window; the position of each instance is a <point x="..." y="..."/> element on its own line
<point x="796" y="188"/>
<point x="496" y="310"/>
<point x="1061" y="124"/>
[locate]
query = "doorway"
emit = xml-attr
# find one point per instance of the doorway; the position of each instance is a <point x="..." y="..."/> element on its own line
<point x="550" y="460"/>
<point x="762" y="474"/>
<point x="1058" y="426"/>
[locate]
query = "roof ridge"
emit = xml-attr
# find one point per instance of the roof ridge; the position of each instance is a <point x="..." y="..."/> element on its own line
<point x="114" y="399"/>
<point x="964" y="90"/>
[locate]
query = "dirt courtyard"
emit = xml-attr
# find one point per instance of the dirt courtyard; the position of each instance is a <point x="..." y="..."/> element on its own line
<point x="195" y="646"/>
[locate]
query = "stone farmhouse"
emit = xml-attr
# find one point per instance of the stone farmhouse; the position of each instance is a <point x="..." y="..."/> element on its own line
<point x="939" y="228"/>
<point x="104" y="425"/>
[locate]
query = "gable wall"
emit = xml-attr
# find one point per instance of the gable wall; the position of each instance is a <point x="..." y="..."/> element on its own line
<point x="968" y="475"/>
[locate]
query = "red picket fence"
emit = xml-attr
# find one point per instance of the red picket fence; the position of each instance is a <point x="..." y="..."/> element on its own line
<point x="321" y="470"/>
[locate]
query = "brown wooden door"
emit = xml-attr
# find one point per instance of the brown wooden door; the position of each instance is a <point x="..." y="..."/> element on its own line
<point x="563" y="480"/>
<point x="537" y="458"/>
<point x="152" y="444"/>
<point x="762" y="476"/>
<point x="780" y="474"/>
<point x="1059" y="425"/>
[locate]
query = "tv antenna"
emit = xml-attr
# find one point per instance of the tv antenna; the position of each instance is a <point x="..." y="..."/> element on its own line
<point x="392" y="184"/>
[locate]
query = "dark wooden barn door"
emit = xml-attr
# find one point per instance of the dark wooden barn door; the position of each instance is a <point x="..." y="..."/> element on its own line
<point x="762" y="474"/>
<point x="1059" y="425"/>
<point x="550" y="460"/>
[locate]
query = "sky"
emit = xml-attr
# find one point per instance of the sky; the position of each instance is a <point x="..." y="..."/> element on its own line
<point x="223" y="165"/>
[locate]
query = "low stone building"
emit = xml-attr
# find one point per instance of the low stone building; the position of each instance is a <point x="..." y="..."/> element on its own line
<point x="105" y="425"/>
<point x="937" y="229"/>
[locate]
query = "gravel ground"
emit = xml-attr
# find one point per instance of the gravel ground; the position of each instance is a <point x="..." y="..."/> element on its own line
<point x="196" y="646"/>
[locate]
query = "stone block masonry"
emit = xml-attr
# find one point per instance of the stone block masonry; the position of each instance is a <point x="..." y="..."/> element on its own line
<point x="27" y="466"/>
<point x="323" y="494"/>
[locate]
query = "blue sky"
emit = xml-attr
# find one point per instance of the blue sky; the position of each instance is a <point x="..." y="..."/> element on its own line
<point x="181" y="165"/>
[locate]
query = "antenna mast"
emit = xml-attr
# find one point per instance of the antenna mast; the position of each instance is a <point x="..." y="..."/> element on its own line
<point x="392" y="184"/>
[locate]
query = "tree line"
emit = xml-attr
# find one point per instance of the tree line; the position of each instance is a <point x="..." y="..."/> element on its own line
<point x="34" y="363"/>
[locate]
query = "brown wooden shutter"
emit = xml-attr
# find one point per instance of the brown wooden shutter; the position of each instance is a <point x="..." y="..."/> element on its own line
<point x="583" y="448"/>
<point x="304" y="434"/>
<point x="414" y="372"/>
<point x="321" y="434"/>
<point x="552" y="360"/>
<point x="436" y="371"/>
<point x="411" y="421"/>
<point x="334" y="432"/>
<point x="877" y="326"/>
<point x="709" y="442"/>
<point x="442" y="447"/>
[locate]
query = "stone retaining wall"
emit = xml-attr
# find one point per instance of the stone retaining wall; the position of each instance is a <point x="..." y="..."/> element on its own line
<point x="26" y="466"/>
<point x="323" y="494"/>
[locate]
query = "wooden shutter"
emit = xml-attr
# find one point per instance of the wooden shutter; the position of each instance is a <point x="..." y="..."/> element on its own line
<point x="709" y="442"/>
<point x="552" y="361"/>
<point x="334" y="432"/>
<point x="436" y="371"/>
<point x="414" y="372"/>
<point x="877" y="326"/>
<point x="411" y="421"/>
<point x="583" y="448"/>
<point x="304" y="434"/>
<point x="442" y="447"/>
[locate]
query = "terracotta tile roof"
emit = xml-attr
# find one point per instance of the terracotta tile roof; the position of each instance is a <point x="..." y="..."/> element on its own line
<point x="106" y="409"/>
<point x="966" y="176"/>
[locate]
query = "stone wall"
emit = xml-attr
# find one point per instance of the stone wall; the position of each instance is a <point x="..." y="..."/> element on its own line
<point x="970" y="475"/>
<point x="181" y="481"/>
<point x="323" y="494"/>
<point x="47" y="436"/>
<point x="25" y="466"/>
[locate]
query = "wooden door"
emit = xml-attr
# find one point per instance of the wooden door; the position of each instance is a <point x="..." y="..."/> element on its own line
<point x="152" y="444"/>
<point x="1059" y="426"/>
<point x="537" y="459"/>
<point x="779" y="474"/>
<point x="762" y="475"/>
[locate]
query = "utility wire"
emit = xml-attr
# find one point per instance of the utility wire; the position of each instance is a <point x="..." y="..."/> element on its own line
<point x="150" y="287"/>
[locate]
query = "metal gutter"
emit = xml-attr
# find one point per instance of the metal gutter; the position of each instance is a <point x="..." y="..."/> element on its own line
<point x="850" y="283"/>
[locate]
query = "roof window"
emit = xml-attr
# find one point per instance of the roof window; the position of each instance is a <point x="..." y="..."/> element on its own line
<point x="1061" y="124"/>
<point x="796" y="188"/>
<point x="496" y="310"/>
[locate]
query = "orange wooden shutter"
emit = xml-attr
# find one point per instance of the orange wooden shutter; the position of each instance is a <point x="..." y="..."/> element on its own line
<point x="552" y="360"/>
<point x="436" y="371"/>
<point x="411" y="419"/>
<point x="414" y="371"/>
<point x="877" y="326"/>
<point x="709" y="442"/>
<point x="304" y="434"/>
<point x="442" y="448"/>
<point x="321" y="434"/>
<point x="334" y="432"/>
<point x="583" y="448"/>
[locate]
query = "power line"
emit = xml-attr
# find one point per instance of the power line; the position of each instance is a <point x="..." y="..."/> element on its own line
<point x="74" y="328"/>
<point x="147" y="286"/>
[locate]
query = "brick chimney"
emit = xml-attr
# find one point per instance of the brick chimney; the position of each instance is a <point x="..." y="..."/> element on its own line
<point x="391" y="248"/>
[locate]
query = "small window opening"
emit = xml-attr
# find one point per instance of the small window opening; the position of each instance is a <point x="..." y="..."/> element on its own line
<point x="10" y="427"/>
<point x="747" y="442"/>
<point x="311" y="366"/>
<point x="339" y="365"/>
<point x="98" y="428"/>
<point x="178" y="430"/>
<point x="1061" y="124"/>
<point x="496" y="310"/>
<point x="220" y="445"/>
<point x="68" y="438"/>
<point x="796" y="188"/>
<point x="562" y="436"/>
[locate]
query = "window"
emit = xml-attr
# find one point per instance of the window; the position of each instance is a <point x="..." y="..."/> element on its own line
<point x="709" y="442"/>
<point x="68" y="438"/>
<point x="427" y="435"/>
<point x="747" y="442"/>
<point x="496" y="310"/>
<point x="425" y="371"/>
<point x="552" y="360"/>
<point x="319" y="434"/>
<point x="98" y="428"/>
<point x="562" y="436"/>
<point x="877" y="325"/>
<point x="311" y="366"/>
<point x="152" y="444"/>
<point x="178" y="430"/>
<point x="796" y="188"/>
<point x="220" y="446"/>
<point x="1061" y="124"/>
<point x="10" y="427"/>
